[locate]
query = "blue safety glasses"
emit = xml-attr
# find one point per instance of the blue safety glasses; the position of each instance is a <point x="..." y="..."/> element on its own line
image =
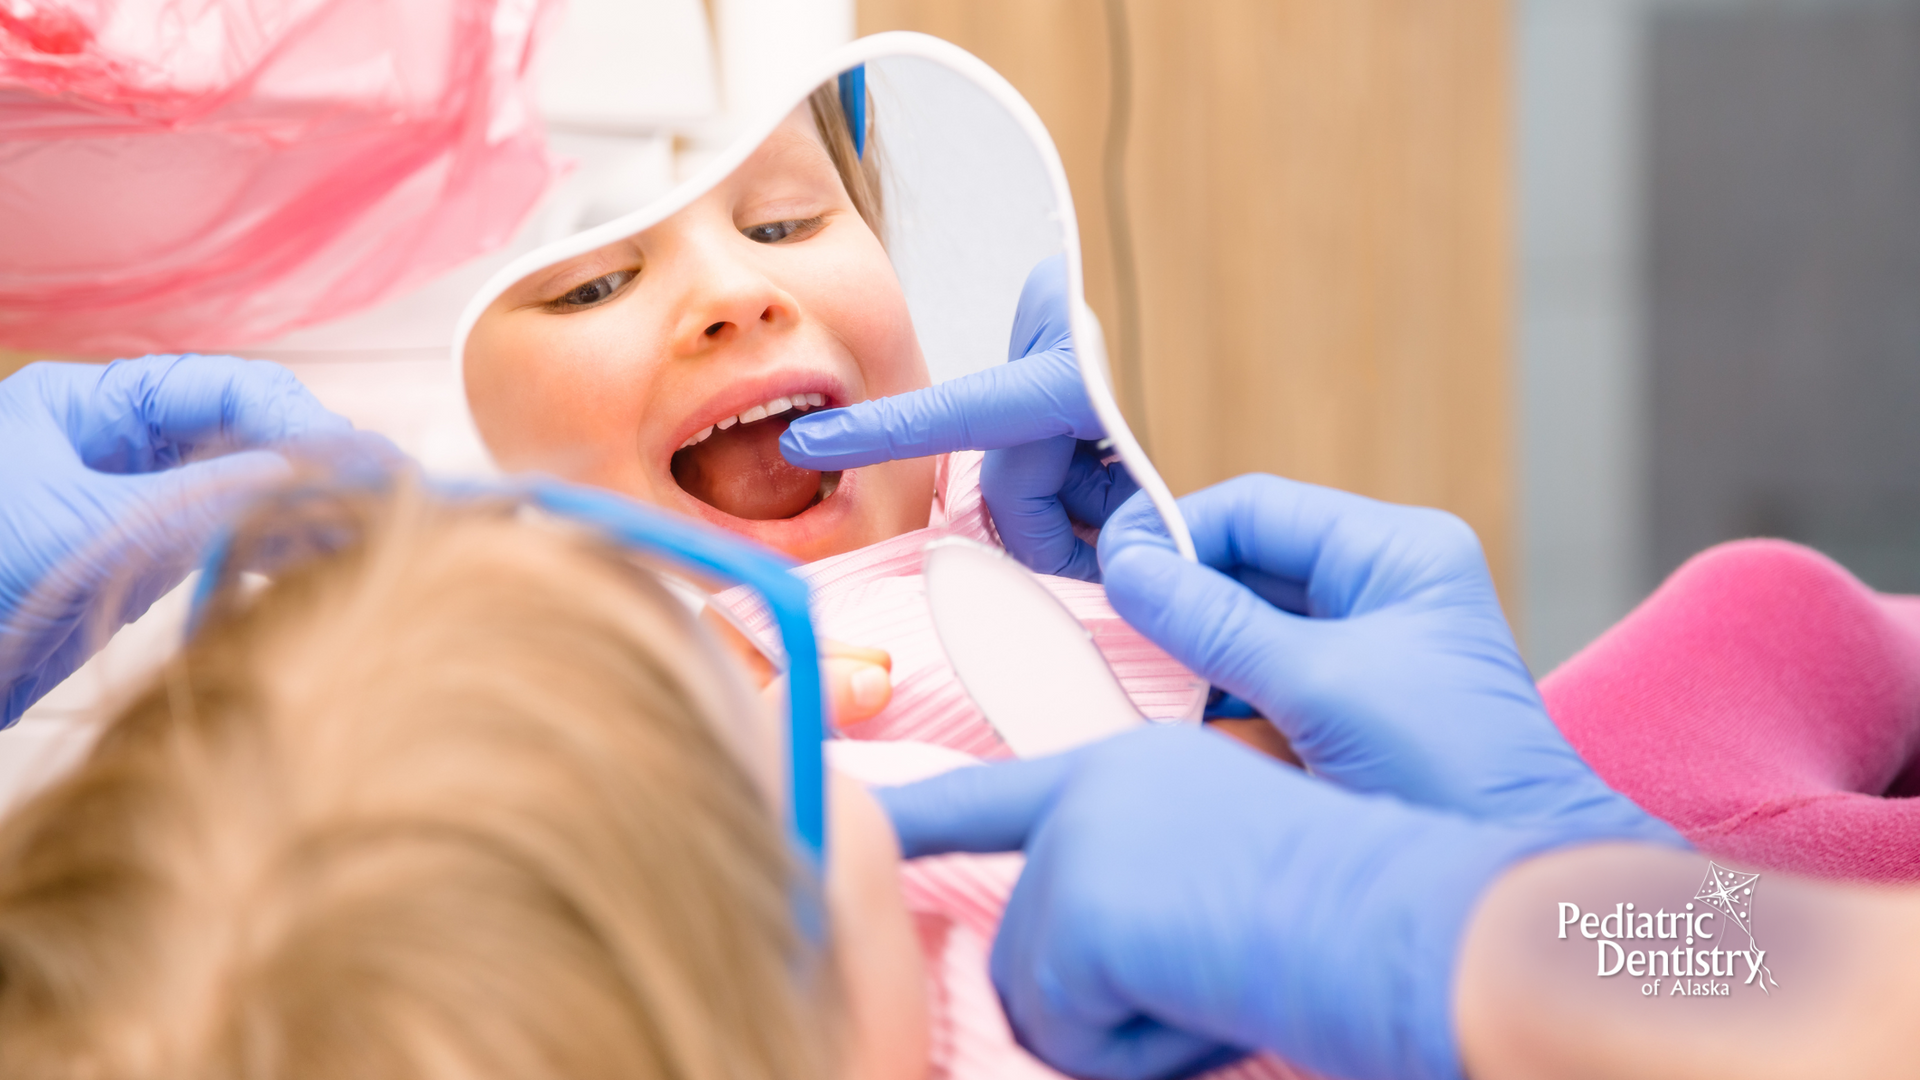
<point x="696" y="548"/>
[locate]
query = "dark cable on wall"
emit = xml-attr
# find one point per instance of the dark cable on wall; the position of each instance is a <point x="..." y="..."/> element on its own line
<point x="1124" y="355"/>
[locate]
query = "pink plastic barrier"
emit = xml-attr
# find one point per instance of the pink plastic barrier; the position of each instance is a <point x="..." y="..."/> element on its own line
<point x="205" y="173"/>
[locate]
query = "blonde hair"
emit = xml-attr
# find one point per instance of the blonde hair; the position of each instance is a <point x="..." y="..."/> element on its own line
<point x="445" y="799"/>
<point x="859" y="173"/>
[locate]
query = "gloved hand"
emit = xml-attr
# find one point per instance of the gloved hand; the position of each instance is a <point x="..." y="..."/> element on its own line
<point x="1043" y="471"/>
<point x="104" y="504"/>
<point x="1370" y="634"/>
<point x="1186" y="900"/>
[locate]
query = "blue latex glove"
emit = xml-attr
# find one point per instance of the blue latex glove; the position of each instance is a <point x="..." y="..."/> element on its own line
<point x="104" y="504"/>
<point x="1186" y="900"/>
<point x="1043" y="471"/>
<point x="1370" y="634"/>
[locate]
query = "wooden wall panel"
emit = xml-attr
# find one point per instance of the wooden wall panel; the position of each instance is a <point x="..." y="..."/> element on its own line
<point x="1055" y="52"/>
<point x="1319" y="195"/>
<point x="11" y="361"/>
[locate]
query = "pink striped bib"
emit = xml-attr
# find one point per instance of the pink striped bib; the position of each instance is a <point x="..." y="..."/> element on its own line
<point x="876" y="597"/>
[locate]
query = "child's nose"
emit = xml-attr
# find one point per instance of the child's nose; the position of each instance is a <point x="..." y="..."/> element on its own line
<point x="728" y="299"/>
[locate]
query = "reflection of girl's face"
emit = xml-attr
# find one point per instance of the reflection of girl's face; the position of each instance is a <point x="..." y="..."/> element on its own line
<point x="666" y="366"/>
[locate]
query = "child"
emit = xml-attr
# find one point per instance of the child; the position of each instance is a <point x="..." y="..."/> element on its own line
<point x="667" y="366"/>
<point x="468" y="795"/>
<point x="465" y="796"/>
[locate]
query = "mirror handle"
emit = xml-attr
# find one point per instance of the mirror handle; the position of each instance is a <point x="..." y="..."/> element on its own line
<point x="1091" y="345"/>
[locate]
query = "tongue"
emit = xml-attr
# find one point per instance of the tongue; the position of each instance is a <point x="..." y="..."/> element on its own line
<point x="740" y="471"/>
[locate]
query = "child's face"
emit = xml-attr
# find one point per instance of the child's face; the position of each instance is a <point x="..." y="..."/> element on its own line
<point x="601" y="369"/>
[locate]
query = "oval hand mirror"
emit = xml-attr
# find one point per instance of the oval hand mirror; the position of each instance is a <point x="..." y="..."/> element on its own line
<point x="840" y="249"/>
<point x="1021" y="655"/>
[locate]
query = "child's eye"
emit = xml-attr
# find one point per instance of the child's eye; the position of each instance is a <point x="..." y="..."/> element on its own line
<point x="773" y="232"/>
<point x="593" y="292"/>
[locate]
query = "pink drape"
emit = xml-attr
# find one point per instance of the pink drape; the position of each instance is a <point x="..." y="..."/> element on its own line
<point x="209" y="173"/>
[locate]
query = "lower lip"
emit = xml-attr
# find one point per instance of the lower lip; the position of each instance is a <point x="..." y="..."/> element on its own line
<point x="802" y="535"/>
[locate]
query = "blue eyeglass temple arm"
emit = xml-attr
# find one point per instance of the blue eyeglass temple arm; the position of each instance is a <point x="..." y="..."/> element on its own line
<point x="697" y="547"/>
<point x="786" y="597"/>
<point x="853" y="103"/>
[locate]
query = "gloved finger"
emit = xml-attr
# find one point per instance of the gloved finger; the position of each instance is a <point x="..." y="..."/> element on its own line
<point x="1283" y="593"/>
<point x="1139" y="1050"/>
<point x="1146" y="1050"/>
<point x="1137" y="521"/>
<point x="1042" y="320"/>
<point x="1062" y="1001"/>
<point x="1208" y="621"/>
<point x="1345" y="553"/>
<point x="1034" y="398"/>
<point x="41" y="643"/>
<point x="350" y="457"/>
<point x="168" y="517"/>
<point x="982" y="809"/>
<point x="1093" y="491"/>
<point x="159" y="525"/>
<point x="1268" y="522"/>
<point x="1021" y="488"/>
<point x="53" y="659"/>
<point x="155" y="412"/>
<point x="1082" y="563"/>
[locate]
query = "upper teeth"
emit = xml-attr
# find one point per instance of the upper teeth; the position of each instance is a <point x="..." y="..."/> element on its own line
<point x="778" y="405"/>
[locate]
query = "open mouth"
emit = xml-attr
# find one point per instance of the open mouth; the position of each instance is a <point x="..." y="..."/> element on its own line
<point x="734" y="465"/>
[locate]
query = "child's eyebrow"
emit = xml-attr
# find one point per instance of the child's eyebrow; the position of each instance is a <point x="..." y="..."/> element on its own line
<point x="789" y="156"/>
<point x="786" y="143"/>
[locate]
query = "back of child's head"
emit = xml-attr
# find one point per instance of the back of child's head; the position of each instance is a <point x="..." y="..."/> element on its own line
<point x="446" y="799"/>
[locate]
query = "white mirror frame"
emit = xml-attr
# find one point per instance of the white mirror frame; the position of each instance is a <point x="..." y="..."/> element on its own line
<point x="1089" y="343"/>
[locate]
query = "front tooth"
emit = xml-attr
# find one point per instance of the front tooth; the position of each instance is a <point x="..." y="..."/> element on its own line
<point x="727" y="423"/>
<point x="779" y="405"/>
<point x="704" y="433"/>
<point x="757" y="412"/>
<point x="816" y="400"/>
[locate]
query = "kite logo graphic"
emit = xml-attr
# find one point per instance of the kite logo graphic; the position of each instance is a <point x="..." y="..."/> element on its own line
<point x="1730" y="892"/>
<point x="1687" y="946"/>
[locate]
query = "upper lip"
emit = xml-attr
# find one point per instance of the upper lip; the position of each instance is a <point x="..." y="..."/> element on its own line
<point x="742" y="394"/>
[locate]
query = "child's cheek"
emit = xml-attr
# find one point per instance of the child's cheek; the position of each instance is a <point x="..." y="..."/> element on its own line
<point x="588" y="390"/>
<point x="869" y="314"/>
<point x="888" y="353"/>
<point x="572" y="399"/>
